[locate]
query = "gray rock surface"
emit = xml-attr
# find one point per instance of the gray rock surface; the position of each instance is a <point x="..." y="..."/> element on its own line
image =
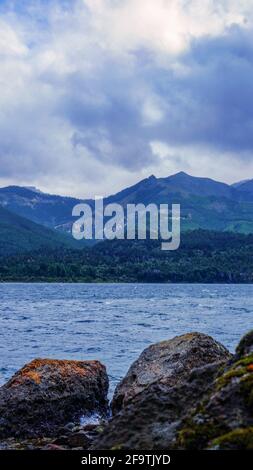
<point x="168" y="363"/>
<point x="159" y="390"/>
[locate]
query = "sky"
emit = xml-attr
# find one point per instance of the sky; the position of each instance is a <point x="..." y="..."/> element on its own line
<point x="98" y="94"/>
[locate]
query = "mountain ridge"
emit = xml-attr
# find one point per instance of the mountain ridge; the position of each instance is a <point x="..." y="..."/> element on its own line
<point x="246" y="186"/>
<point x="205" y="203"/>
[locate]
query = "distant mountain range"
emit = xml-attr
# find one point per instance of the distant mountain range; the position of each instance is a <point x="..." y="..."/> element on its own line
<point x="205" y="203"/>
<point x="44" y="209"/>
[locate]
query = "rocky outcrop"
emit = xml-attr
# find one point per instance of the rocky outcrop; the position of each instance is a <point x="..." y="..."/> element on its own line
<point x="168" y="363"/>
<point x="245" y="347"/>
<point x="152" y="419"/>
<point x="224" y="418"/>
<point x="45" y="395"/>
<point x="186" y="393"/>
<point x="208" y="407"/>
<point x="158" y="391"/>
<point x="70" y="437"/>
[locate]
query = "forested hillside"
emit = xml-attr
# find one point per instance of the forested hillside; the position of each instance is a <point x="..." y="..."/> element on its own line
<point x="203" y="257"/>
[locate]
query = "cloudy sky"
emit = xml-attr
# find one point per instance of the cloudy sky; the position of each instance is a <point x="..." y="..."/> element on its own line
<point x="97" y="94"/>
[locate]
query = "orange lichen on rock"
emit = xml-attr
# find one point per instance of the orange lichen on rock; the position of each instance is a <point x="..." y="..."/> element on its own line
<point x="250" y="368"/>
<point x="66" y="368"/>
<point x="35" y="376"/>
<point x="47" y="394"/>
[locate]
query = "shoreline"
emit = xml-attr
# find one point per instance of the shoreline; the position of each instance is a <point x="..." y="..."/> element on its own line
<point x="127" y="283"/>
<point x="168" y="399"/>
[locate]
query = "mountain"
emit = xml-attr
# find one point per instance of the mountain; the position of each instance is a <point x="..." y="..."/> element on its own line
<point x="160" y="190"/>
<point x="245" y="187"/>
<point x="19" y="235"/>
<point x="45" y="209"/>
<point x="239" y="183"/>
<point x="205" y="203"/>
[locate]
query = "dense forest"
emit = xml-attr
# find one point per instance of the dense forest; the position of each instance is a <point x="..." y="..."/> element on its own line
<point x="203" y="256"/>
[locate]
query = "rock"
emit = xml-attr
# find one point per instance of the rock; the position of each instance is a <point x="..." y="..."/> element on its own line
<point x="79" y="439"/>
<point x="90" y="428"/>
<point x="159" y="390"/>
<point x="224" y="419"/>
<point x="186" y="393"/>
<point x="168" y="363"/>
<point x="53" y="447"/>
<point x="61" y="441"/>
<point x="19" y="444"/>
<point x="245" y="346"/>
<point x="46" y="395"/>
<point x="151" y="420"/>
<point x="68" y="427"/>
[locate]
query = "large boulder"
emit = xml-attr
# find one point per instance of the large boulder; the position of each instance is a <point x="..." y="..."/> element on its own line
<point x="159" y="390"/>
<point x="224" y="418"/>
<point x="151" y="420"/>
<point x="47" y="394"/>
<point x="168" y="363"/>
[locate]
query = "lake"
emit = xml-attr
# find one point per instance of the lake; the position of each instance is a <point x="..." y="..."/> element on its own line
<point x="113" y="322"/>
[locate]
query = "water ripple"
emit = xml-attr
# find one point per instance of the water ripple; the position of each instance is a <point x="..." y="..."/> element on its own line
<point x="113" y="323"/>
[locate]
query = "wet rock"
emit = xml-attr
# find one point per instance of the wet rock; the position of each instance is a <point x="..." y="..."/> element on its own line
<point x="159" y="390"/>
<point x="45" y="395"/>
<point x="168" y="363"/>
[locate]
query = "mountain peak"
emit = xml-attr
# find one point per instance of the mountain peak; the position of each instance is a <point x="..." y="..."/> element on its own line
<point x="181" y="174"/>
<point x="152" y="177"/>
<point x="180" y="177"/>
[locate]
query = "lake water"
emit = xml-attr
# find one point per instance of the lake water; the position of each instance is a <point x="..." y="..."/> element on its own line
<point x="113" y="323"/>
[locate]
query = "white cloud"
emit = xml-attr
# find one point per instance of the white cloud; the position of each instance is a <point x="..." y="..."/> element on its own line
<point x="163" y="25"/>
<point x="200" y="160"/>
<point x="10" y="44"/>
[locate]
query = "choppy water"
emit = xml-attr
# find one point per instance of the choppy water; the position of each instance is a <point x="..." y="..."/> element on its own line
<point x="113" y="323"/>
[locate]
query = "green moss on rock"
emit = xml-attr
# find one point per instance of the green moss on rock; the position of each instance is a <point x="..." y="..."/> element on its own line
<point x="239" y="369"/>
<point x="197" y="435"/>
<point x="246" y="387"/>
<point x="237" y="439"/>
<point x="210" y="421"/>
<point x="245" y="361"/>
<point x="225" y="379"/>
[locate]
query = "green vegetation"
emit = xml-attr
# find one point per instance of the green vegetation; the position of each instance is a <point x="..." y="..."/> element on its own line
<point x="19" y="235"/>
<point x="204" y="257"/>
<point x="238" y="439"/>
<point x="209" y="425"/>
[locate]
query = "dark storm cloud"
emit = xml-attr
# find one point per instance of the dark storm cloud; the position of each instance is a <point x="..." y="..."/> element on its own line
<point x="215" y="99"/>
<point x="208" y="101"/>
<point x="77" y="100"/>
